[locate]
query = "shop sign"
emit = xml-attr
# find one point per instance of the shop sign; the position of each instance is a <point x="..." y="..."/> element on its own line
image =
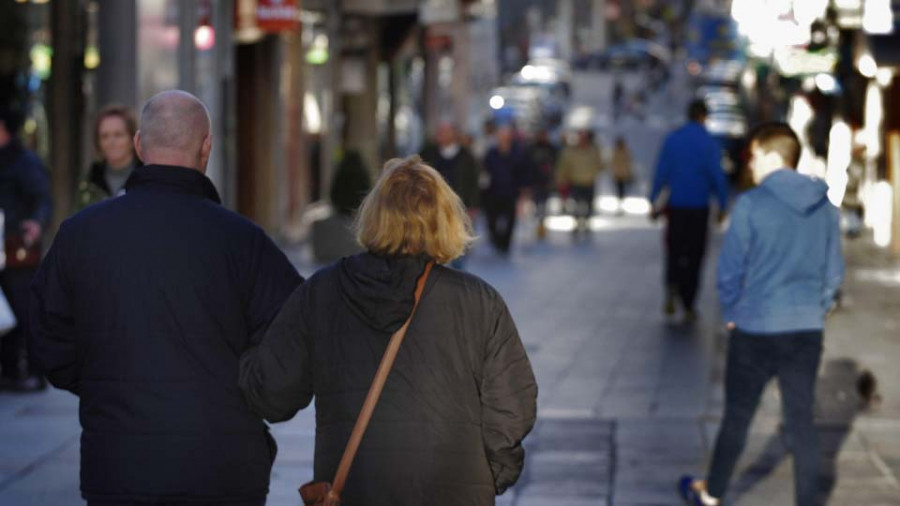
<point x="277" y="15"/>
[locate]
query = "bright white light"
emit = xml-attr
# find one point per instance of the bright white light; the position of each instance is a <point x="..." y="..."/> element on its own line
<point x="807" y="11"/>
<point x="878" y="17"/>
<point x="883" y="77"/>
<point x="867" y="66"/>
<point x="882" y="208"/>
<point x="560" y="223"/>
<point x="204" y="38"/>
<point x="748" y="79"/>
<point x="607" y="203"/>
<point x="311" y="114"/>
<point x="826" y="83"/>
<point x="636" y="205"/>
<point x="528" y="72"/>
<point x="497" y="102"/>
<point x="839" y="152"/>
<point x="874" y="114"/>
<point x="799" y="114"/>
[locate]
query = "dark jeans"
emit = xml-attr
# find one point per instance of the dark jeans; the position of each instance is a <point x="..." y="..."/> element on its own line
<point x="583" y="200"/>
<point x="752" y="361"/>
<point x="15" y="283"/>
<point x="685" y="243"/>
<point x="501" y="221"/>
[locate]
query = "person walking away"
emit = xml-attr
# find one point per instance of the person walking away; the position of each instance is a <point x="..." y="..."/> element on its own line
<point x="114" y="129"/>
<point x="622" y="170"/>
<point x="507" y="170"/>
<point x="778" y="272"/>
<point x="458" y="166"/>
<point x="142" y="309"/>
<point x="577" y="170"/>
<point x="689" y="167"/>
<point x="542" y="155"/>
<point x="461" y="396"/>
<point x="26" y="206"/>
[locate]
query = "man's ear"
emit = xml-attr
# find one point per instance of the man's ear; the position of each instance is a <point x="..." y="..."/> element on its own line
<point x="137" y="145"/>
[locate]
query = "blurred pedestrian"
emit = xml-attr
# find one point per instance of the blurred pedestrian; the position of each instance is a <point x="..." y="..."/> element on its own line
<point x="26" y="206"/>
<point x="114" y="130"/>
<point x="143" y="307"/>
<point x="576" y="172"/>
<point x="622" y="169"/>
<point x="507" y="171"/>
<point x="689" y="168"/>
<point x="542" y="155"/>
<point x="461" y="395"/>
<point x="618" y="96"/>
<point x="779" y="269"/>
<point x="458" y="166"/>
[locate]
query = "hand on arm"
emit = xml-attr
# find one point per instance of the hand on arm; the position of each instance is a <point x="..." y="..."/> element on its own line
<point x="276" y="375"/>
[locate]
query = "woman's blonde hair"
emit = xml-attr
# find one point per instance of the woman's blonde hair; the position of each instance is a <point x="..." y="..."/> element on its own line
<point x="412" y="211"/>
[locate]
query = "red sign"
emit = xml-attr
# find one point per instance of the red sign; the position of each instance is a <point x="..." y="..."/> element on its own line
<point x="277" y="15"/>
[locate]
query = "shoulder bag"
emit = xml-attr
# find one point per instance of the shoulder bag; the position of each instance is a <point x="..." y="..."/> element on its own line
<point x="323" y="493"/>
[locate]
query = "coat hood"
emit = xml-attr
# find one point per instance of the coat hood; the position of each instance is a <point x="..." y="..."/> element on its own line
<point x="801" y="193"/>
<point x="380" y="290"/>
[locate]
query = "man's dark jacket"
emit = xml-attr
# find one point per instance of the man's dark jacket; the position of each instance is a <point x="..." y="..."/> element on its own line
<point x="459" y="400"/>
<point x="143" y="308"/>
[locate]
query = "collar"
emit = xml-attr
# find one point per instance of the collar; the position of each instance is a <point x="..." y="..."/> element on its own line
<point x="172" y="178"/>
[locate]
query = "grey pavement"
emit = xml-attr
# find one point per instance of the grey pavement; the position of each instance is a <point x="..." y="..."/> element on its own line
<point x="628" y="401"/>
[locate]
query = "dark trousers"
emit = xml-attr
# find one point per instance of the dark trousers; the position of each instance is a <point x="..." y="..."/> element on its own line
<point x="501" y="221"/>
<point x="16" y="283"/>
<point x="621" y="186"/>
<point x="583" y="200"/>
<point x="685" y="245"/>
<point x="752" y="361"/>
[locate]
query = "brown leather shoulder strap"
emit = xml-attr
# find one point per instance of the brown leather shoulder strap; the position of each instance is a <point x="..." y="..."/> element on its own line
<point x="375" y="391"/>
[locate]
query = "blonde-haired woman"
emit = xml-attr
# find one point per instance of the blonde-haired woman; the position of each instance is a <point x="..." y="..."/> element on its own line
<point x="461" y="395"/>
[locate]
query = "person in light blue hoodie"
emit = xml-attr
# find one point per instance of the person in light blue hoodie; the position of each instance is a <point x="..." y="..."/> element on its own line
<point x="778" y="272"/>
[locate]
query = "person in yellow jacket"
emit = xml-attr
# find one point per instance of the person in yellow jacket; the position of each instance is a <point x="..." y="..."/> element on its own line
<point x="576" y="172"/>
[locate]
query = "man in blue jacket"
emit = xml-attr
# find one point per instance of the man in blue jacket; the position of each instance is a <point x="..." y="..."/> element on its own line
<point x="689" y="166"/>
<point x="779" y="269"/>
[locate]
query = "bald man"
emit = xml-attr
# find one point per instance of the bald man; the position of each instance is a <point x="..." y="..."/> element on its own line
<point x="143" y="307"/>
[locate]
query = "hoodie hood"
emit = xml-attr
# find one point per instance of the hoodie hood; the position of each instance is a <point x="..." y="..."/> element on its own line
<point x="801" y="193"/>
<point x="380" y="290"/>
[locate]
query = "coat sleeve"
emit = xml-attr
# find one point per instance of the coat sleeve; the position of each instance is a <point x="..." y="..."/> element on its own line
<point x="269" y="280"/>
<point x="508" y="400"/>
<point x="733" y="259"/>
<point x="834" y="269"/>
<point x="52" y="343"/>
<point x="276" y="375"/>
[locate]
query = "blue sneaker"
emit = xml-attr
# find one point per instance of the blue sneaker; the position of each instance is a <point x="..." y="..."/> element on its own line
<point x="687" y="492"/>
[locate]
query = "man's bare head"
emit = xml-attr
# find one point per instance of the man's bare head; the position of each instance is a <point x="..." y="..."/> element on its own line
<point x="175" y="130"/>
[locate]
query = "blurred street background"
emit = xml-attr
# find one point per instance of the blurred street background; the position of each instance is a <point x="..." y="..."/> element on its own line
<point x="309" y="97"/>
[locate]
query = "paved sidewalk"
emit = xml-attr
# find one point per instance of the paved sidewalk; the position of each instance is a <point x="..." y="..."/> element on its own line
<point x="628" y="400"/>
